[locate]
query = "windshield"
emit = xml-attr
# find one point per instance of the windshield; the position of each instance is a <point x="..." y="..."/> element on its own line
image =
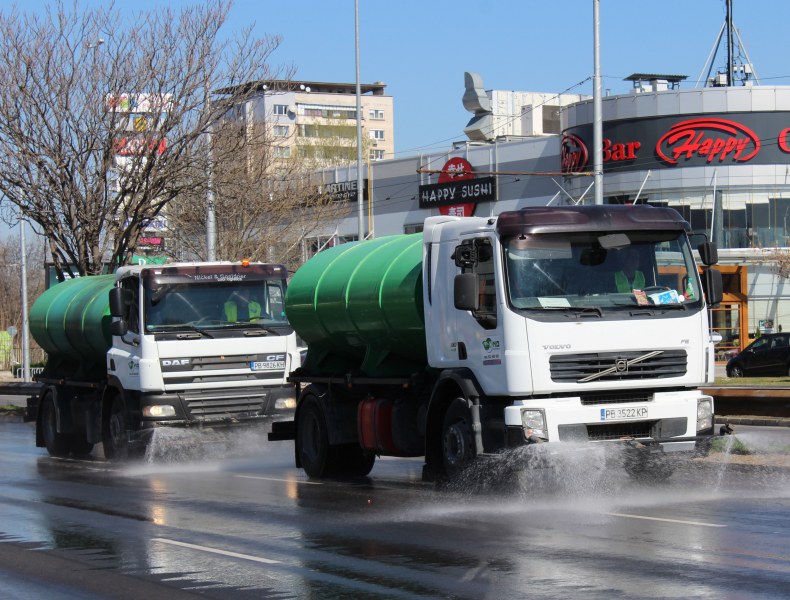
<point x="214" y="304"/>
<point x="645" y="268"/>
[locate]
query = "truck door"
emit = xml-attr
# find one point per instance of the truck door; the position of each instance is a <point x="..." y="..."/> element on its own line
<point x="479" y="332"/>
<point x="124" y="355"/>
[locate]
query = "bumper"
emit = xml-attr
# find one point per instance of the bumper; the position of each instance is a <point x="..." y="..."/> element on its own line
<point x="217" y="408"/>
<point x="674" y="421"/>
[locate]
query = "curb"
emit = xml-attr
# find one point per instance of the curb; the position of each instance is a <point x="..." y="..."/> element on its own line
<point x="753" y="420"/>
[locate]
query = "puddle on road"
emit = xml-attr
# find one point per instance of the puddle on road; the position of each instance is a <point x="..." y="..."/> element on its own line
<point x="173" y="450"/>
<point x="577" y="479"/>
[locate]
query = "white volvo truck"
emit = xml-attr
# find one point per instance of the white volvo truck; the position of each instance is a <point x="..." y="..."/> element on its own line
<point x="544" y="325"/>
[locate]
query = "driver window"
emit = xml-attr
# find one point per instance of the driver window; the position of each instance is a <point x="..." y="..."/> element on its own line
<point x="132" y="314"/>
<point x="486" y="314"/>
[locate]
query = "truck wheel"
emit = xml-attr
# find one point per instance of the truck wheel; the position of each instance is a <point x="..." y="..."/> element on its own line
<point x="115" y="439"/>
<point x="57" y="443"/>
<point x="457" y="443"/>
<point x="312" y="439"/>
<point x="354" y="461"/>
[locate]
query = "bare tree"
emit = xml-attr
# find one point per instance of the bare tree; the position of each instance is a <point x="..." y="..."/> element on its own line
<point x="265" y="203"/>
<point x="103" y="124"/>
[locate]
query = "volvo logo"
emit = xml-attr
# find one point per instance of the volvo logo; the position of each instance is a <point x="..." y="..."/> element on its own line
<point x="621" y="365"/>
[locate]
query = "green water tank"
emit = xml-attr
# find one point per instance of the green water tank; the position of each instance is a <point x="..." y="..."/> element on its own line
<point x="71" y="320"/>
<point x="359" y="308"/>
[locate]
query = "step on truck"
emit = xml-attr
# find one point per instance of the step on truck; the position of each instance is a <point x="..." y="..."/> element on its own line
<point x="189" y="345"/>
<point x="544" y="325"/>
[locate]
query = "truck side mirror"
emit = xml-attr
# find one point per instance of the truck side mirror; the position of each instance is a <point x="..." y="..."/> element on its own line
<point x="712" y="286"/>
<point x="466" y="294"/>
<point x="119" y="327"/>
<point x="708" y="253"/>
<point x="120" y="299"/>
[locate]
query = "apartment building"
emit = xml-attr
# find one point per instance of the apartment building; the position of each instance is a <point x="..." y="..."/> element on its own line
<point x="318" y="120"/>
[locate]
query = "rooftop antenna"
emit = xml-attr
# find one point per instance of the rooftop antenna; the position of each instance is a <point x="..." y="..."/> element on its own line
<point x="739" y="69"/>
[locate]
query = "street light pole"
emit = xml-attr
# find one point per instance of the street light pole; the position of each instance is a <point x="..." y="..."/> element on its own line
<point x="25" y="328"/>
<point x="211" y="217"/>
<point x="360" y="210"/>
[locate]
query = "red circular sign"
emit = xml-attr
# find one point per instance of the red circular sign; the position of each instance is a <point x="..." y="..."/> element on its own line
<point x="453" y="170"/>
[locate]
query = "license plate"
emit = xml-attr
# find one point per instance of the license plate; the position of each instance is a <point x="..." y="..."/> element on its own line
<point x="267" y="365"/>
<point x="624" y="413"/>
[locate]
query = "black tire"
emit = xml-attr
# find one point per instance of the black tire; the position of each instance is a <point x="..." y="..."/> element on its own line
<point x="59" y="444"/>
<point x="457" y="440"/>
<point x="312" y="439"/>
<point x="735" y="371"/>
<point x="353" y="461"/>
<point x="115" y="438"/>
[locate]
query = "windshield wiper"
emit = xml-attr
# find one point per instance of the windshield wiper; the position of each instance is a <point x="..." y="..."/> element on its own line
<point x="194" y="328"/>
<point x="583" y="311"/>
<point x="253" y="328"/>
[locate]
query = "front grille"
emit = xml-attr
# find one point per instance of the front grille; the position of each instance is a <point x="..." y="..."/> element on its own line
<point x="224" y="404"/>
<point x="615" y="398"/>
<point x="618" y="366"/>
<point x="219" y="369"/>
<point x="615" y="431"/>
<point x="225" y="377"/>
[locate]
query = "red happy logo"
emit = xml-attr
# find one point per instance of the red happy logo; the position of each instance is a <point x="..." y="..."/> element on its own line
<point x="573" y="153"/>
<point x="711" y="138"/>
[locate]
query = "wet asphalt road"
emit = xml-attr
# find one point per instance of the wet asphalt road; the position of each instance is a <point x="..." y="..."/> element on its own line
<point x="234" y="519"/>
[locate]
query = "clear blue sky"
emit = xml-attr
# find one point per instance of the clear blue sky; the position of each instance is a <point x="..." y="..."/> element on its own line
<point x="421" y="49"/>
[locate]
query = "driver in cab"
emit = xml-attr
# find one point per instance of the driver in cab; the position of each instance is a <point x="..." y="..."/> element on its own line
<point x="629" y="277"/>
<point x="241" y="307"/>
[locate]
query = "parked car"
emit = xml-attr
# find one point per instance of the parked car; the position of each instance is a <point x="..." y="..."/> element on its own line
<point x="767" y="355"/>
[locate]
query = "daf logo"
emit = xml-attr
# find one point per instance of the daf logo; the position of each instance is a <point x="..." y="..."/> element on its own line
<point x="175" y="362"/>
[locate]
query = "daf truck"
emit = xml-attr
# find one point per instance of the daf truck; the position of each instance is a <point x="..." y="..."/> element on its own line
<point x="187" y="345"/>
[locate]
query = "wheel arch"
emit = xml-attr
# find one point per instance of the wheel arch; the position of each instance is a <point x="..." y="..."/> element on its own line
<point x="451" y="384"/>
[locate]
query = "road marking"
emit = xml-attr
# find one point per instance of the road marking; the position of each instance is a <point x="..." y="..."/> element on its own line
<point x="283" y="480"/>
<point x="259" y="559"/>
<point x="700" y="523"/>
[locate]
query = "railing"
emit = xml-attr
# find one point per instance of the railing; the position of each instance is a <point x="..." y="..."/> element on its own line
<point x="18" y="372"/>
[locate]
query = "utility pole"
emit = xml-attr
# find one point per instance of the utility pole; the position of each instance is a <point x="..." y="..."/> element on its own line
<point x="360" y="206"/>
<point x="597" y="108"/>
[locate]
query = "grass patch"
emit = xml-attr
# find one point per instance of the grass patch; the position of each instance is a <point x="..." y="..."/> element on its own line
<point x="738" y="447"/>
<point x="739" y="381"/>
<point x="10" y="409"/>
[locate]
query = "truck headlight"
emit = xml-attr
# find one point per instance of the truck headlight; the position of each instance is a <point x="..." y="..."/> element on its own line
<point x="704" y="413"/>
<point x="158" y="411"/>
<point x="534" y="422"/>
<point x="285" y="403"/>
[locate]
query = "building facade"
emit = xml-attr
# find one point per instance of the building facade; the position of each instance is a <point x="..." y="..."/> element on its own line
<point x="318" y="120"/>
